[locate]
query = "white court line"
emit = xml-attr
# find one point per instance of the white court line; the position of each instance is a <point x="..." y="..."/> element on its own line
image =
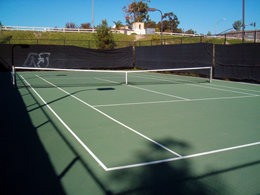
<point x="232" y="87"/>
<point x="159" y="92"/>
<point x="223" y="89"/>
<point x="172" y="80"/>
<point x="147" y="90"/>
<point x="111" y="118"/>
<point x="139" y="164"/>
<point x="158" y="78"/>
<point x="183" y="157"/>
<point x="175" y="80"/>
<point x="243" y="83"/>
<point x="68" y="128"/>
<point x="170" y="101"/>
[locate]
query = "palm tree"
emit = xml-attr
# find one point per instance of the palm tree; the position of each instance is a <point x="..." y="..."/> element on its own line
<point x="118" y="24"/>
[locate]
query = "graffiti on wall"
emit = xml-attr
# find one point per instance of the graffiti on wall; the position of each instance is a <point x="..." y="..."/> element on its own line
<point x="37" y="60"/>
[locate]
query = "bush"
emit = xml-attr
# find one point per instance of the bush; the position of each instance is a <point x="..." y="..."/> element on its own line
<point x="105" y="39"/>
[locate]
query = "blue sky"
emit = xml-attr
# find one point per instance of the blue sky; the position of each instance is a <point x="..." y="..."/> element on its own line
<point x="199" y="15"/>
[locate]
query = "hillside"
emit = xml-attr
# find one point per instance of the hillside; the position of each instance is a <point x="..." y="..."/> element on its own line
<point x="88" y="39"/>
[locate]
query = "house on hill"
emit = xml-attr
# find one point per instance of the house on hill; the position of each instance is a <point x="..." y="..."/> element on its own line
<point x="138" y="28"/>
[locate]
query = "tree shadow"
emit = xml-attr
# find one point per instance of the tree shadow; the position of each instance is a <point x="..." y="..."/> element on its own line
<point x="176" y="177"/>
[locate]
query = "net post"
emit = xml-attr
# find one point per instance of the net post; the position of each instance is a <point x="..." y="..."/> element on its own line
<point x="14" y="76"/>
<point x="126" y="82"/>
<point x="211" y="73"/>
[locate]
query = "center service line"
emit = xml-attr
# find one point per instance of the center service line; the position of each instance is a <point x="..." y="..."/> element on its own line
<point x="147" y="90"/>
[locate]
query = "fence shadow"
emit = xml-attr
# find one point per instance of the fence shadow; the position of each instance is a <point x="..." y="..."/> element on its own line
<point x="25" y="165"/>
<point x="66" y="154"/>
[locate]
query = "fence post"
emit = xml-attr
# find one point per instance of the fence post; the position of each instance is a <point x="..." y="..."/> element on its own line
<point x="255" y="37"/>
<point x="225" y="39"/>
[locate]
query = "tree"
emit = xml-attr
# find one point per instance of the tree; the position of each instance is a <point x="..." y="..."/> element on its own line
<point x="172" y="22"/>
<point x="85" y="25"/>
<point x="190" y="31"/>
<point x="135" y="12"/>
<point x="209" y="33"/>
<point x="237" y="25"/>
<point x="70" y="25"/>
<point x="150" y="24"/>
<point x="118" y="24"/>
<point x="178" y="30"/>
<point x="105" y="39"/>
<point x="0" y="28"/>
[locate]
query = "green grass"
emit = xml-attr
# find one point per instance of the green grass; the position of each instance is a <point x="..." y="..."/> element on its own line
<point x="88" y="39"/>
<point x="58" y="38"/>
<point x="60" y="35"/>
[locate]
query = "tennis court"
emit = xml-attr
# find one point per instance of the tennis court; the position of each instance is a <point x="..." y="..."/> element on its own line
<point x="160" y="134"/>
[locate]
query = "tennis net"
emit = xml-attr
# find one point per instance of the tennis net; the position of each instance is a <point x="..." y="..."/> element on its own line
<point x="52" y="77"/>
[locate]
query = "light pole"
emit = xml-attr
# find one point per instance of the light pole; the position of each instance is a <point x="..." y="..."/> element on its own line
<point x="152" y="10"/>
<point x="216" y="25"/>
<point x="243" y="22"/>
<point x="92" y="15"/>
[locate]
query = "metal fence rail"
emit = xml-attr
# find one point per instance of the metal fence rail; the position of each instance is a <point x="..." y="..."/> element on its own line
<point x="92" y="44"/>
<point x="46" y="29"/>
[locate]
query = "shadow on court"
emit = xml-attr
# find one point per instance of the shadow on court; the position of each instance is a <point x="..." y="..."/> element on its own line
<point x="25" y="166"/>
<point x="180" y="177"/>
<point x="167" y="178"/>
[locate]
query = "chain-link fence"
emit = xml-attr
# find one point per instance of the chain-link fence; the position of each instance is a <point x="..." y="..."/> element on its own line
<point x="241" y="37"/>
<point x="92" y="44"/>
<point x="228" y="38"/>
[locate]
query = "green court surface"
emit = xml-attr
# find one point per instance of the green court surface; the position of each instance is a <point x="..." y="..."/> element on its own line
<point x="76" y="134"/>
